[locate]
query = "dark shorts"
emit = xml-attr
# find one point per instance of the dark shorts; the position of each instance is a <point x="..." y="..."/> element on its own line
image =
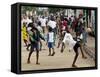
<point x="77" y="45"/>
<point x="50" y="44"/>
<point x="34" y="46"/>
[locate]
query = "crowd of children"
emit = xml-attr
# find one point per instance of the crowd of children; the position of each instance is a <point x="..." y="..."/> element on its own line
<point x="53" y="28"/>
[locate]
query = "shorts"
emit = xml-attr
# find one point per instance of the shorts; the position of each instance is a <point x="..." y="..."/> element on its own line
<point x="77" y="45"/>
<point x="50" y="44"/>
<point x="34" y="46"/>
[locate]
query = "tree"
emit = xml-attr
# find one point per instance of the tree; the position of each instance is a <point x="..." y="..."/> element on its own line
<point x="27" y="8"/>
<point x="54" y="10"/>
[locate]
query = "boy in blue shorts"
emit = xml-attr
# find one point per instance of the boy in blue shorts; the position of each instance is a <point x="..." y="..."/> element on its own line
<point x="50" y="41"/>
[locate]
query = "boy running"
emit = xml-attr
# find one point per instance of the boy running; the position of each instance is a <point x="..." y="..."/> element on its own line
<point x="73" y="44"/>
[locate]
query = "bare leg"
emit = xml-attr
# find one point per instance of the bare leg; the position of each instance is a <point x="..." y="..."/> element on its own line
<point x="25" y="41"/>
<point x="30" y="53"/>
<point x="40" y="45"/>
<point x="28" y="47"/>
<point x="53" y="52"/>
<point x="62" y="47"/>
<point x="37" y="56"/>
<point x="83" y="56"/>
<point x="49" y="52"/>
<point x="76" y="56"/>
<point x="59" y="43"/>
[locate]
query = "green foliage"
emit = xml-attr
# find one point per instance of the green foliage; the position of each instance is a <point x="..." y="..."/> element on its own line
<point x="27" y="8"/>
<point x="54" y="10"/>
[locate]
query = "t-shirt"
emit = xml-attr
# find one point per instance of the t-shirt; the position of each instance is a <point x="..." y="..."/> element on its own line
<point x="43" y="22"/>
<point x="52" y="24"/>
<point x="50" y="37"/>
<point x="69" y="40"/>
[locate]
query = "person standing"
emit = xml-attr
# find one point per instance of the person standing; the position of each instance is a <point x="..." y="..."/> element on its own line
<point x="84" y="32"/>
<point x="52" y="24"/>
<point x="50" y="42"/>
<point x="41" y="32"/>
<point x="43" y="23"/>
<point x="24" y="34"/>
<point x="64" y="24"/>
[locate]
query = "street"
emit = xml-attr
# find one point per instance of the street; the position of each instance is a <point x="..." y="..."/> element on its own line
<point x="59" y="60"/>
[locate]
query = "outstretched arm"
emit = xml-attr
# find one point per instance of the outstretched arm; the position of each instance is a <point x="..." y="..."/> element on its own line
<point x="41" y="36"/>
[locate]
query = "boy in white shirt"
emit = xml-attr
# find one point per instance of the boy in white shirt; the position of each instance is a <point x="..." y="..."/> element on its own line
<point x="43" y="23"/>
<point x="52" y="24"/>
<point x="50" y="41"/>
<point x="73" y="45"/>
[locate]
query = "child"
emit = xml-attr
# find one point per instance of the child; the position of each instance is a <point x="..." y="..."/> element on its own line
<point x="50" y="41"/>
<point x="43" y="23"/>
<point x="34" y="39"/>
<point x="24" y="34"/>
<point x="73" y="44"/>
<point x="84" y="36"/>
<point x="53" y="25"/>
<point x="64" y="24"/>
<point x="79" y="38"/>
<point x="41" y="32"/>
<point x="61" y="38"/>
<point x="62" y="34"/>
